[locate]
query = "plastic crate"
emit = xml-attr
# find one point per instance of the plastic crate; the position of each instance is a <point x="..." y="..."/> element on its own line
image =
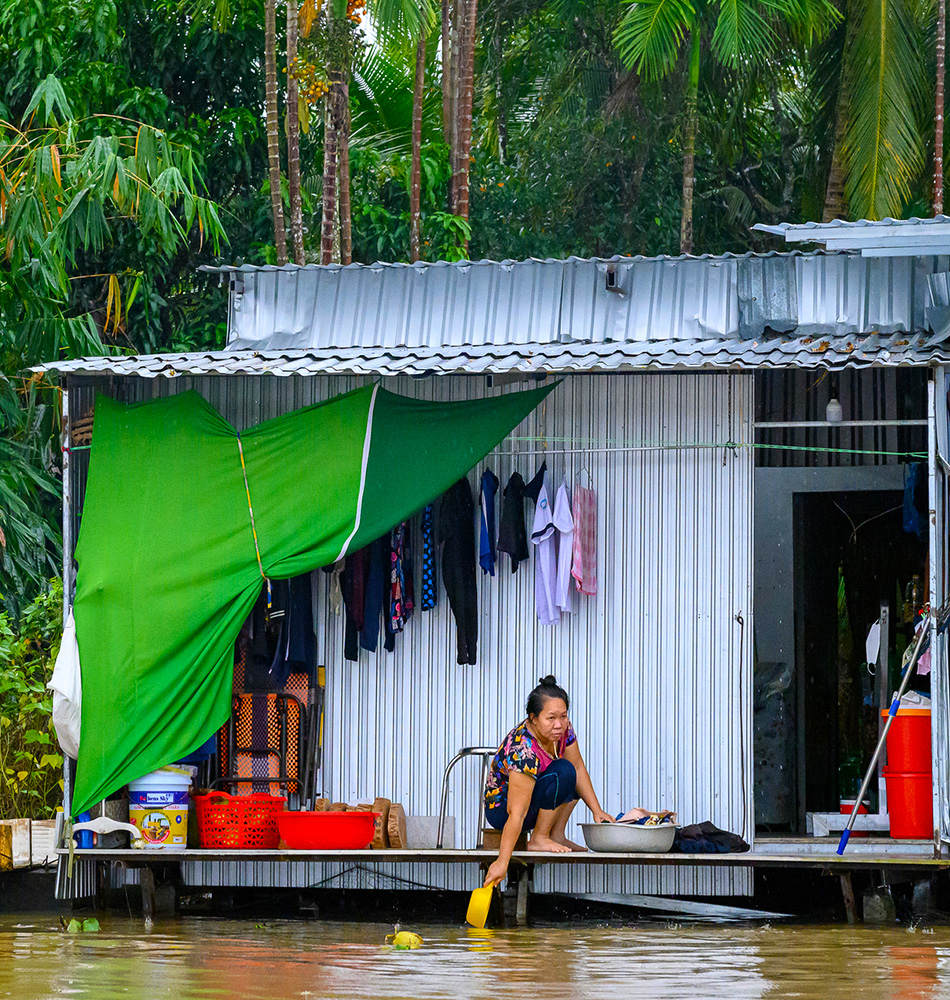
<point x="238" y="822"/>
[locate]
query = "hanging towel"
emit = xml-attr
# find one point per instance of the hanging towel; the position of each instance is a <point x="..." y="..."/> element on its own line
<point x="486" y="543"/>
<point x="512" y="537"/>
<point x="545" y="564"/>
<point x="584" y="566"/>
<point x="66" y="685"/>
<point x="564" y="523"/>
<point x="457" y="534"/>
<point x="430" y="594"/>
<point x="336" y="590"/>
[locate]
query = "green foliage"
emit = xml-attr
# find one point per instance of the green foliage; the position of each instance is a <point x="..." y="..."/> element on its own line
<point x="884" y="147"/>
<point x="30" y="762"/>
<point x="380" y="196"/>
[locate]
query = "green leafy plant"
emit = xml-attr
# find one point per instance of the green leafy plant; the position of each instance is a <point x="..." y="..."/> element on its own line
<point x="30" y="762"/>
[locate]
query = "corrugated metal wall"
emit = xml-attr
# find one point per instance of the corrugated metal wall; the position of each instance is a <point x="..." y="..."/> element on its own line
<point x="658" y="664"/>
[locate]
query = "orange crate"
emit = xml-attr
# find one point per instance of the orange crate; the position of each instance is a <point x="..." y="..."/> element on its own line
<point x="238" y="822"/>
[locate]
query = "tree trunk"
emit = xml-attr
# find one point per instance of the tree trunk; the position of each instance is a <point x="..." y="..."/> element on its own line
<point x="415" y="173"/>
<point x="447" y="84"/>
<point x="466" y="84"/>
<point x="346" y="220"/>
<point x="456" y="9"/>
<point x="329" y="232"/>
<point x="938" y="132"/>
<point x="689" y="143"/>
<point x="273" y="127"/>
<point x="293" y="136"/>
<point x="836" y="201"/>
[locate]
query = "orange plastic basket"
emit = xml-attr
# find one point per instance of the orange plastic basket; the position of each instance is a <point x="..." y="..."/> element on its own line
<point x="238" y="822"/>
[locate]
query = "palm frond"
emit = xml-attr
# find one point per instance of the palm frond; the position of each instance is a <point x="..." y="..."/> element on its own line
<point x="742" y="34"/>
<point x="651" y="34"/>
<point x="399" y="23"/>
<point x="883" y="148"/>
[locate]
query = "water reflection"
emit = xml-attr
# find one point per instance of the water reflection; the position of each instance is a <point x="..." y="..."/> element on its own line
<point x="191" y="959"/>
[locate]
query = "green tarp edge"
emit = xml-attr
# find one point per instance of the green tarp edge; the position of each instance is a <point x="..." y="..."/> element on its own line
<point x="167" y="565"/>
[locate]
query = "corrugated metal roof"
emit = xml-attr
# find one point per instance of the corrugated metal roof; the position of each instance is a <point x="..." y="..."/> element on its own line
<point x="621" y="313"/>
<point x="593" y="301"/>
<point x="873" y="237"/>
<point x="770" y="352"/>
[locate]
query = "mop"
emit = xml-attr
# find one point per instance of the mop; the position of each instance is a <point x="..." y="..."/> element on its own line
<point x="895" y="705"/>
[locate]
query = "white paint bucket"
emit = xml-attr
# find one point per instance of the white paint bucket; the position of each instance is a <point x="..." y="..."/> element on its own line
<point x="158" y="806"/>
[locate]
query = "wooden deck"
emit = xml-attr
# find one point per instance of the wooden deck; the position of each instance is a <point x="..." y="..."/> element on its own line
<point x="852" y="861"/>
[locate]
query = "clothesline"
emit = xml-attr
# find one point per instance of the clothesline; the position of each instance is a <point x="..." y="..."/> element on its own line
<point x="690" y="446"/>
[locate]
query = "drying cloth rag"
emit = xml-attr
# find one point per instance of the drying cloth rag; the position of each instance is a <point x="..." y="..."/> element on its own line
<point x="706" y="838"/>
<point x="584" y="566"/>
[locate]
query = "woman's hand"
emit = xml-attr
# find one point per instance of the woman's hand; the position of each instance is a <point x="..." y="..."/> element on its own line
<point x="601" y="817"/>
<point x="496" y="872"/>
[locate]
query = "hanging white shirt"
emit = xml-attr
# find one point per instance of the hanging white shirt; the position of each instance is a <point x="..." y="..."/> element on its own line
<point x="545" y="563"/>
<point x="564" y="523"/>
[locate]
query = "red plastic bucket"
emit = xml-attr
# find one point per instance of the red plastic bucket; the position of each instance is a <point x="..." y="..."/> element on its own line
<point x="910" y="804"/>
<point x="908" y="741"/>
<point x="846" y="807"/>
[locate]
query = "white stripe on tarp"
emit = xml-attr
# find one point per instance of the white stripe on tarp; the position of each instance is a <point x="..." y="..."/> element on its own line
<point x="367" y="438"/>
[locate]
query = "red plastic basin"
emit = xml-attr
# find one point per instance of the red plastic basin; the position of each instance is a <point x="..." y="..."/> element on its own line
<point x="326" y="831"/>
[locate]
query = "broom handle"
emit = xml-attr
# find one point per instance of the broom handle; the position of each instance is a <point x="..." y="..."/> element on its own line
<point x="892" y="712"/>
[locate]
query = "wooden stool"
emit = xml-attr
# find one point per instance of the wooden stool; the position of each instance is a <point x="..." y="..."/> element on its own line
<point x="491" y="840"/>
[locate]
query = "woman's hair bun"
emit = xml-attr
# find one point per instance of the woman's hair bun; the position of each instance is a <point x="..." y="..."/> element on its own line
<point x="547" y="688"/>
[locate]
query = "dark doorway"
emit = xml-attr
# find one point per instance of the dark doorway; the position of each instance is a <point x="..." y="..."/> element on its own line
<point x="851" y="554"/>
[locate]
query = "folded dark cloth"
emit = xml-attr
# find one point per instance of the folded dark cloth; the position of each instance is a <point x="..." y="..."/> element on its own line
<point x="706" y="838"/>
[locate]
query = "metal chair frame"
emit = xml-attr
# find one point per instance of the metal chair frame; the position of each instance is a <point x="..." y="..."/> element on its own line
<point x="282" y="777"/>
<point x="486" y="753"/>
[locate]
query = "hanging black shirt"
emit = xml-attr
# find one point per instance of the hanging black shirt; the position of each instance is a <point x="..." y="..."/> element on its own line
<point x="457" y="534"/>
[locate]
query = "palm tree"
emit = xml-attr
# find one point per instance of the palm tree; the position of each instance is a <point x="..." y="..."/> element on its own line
<point x="415" y="172"/>
<point x="941" y="48"/>
<point x="465" y="80"/>
<point x="293" y="135"/>
<point x="273" y="127"/>
<point x="654" y="36"/>
<point x="878" y="92"/>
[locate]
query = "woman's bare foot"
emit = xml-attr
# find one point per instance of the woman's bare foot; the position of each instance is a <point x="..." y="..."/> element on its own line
<point x="569" y="844"/>
<point x="547" y="844"/>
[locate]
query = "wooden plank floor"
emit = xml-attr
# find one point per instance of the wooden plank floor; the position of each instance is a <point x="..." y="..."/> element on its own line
<point x="750" y="859"/>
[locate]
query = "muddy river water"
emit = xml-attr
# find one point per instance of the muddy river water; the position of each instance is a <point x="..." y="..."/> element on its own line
<point x="199" y="959"/>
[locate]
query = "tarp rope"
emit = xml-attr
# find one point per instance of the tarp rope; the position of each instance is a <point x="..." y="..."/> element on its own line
<point x="250" y="510"/>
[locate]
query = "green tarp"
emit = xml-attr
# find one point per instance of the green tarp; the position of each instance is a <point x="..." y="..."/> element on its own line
<point x="168" y="570"/>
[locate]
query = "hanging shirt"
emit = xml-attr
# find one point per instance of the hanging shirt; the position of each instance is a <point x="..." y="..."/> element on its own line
<point x="457" y="534"/>
<point x="401" y="602"/>
<point x="486" y="540"/>
<point x="430" y="595"/>
<point x="584" y="565"/>
<point x="512" y="537"/>
<point x="545" y="563"/>
<point x="564" y="523"/>
<point x="533" y="488"/>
